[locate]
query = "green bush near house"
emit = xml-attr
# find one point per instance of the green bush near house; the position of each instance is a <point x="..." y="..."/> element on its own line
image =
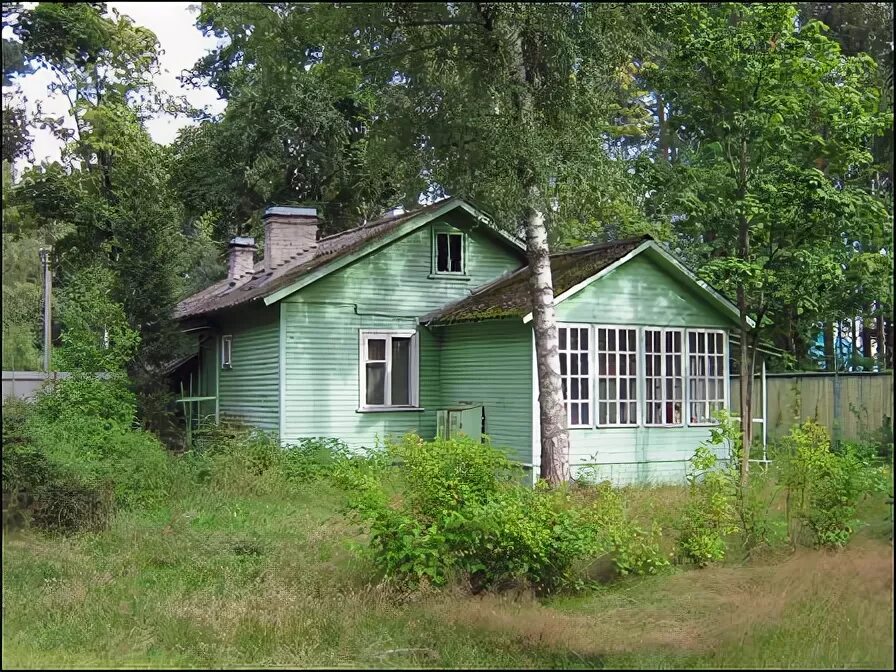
<point x="824" y="486"/>
<point x="453" y="507"/>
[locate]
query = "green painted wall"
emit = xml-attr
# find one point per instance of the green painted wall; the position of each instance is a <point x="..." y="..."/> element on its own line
<point x="249" y="390"/>
<point x="208" y="375"/>
<point x="321" y="395"/>
<point x="395" y="281"/>
<point x="387" y="290"/>
<point x="640" y="292"/>
<point x="490" y="363"/>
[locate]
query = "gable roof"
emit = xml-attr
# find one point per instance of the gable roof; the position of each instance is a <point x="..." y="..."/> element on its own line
<point x="322" y="258"/>
<point x="571" y="271"/>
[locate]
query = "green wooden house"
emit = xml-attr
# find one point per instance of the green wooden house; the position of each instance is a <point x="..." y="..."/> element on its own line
<point x="420" y="322"/>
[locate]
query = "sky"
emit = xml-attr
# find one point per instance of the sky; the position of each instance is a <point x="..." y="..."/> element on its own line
<point x="182" y="45"/>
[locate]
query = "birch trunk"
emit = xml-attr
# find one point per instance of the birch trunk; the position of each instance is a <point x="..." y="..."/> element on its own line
<point x="552" y="410"/>
<point x="554" y="436"/>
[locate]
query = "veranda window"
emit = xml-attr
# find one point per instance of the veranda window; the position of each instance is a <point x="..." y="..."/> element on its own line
<point x="617" y="377"/>
<point x="706" y="375"/>
<point x="388" y="369"/>
<point x="575" y="374"/>
<point x="663" y="376"/>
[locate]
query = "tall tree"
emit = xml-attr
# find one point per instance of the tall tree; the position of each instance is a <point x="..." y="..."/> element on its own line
<point x="508" y="104"/>
<point x="774" y="125"/>
<point x="311" y="144"/>
<point x="112" y="187"/>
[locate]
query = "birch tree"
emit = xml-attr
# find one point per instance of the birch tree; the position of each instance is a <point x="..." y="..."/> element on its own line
<point x="504" y="103"/>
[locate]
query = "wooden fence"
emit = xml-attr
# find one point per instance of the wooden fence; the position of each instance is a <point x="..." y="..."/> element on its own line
<point x="850" y="405"/>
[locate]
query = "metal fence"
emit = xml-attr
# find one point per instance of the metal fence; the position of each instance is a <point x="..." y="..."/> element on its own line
<point x="850" y="405"/>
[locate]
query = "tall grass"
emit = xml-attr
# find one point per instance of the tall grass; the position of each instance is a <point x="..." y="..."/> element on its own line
<point x="233" y="574"/>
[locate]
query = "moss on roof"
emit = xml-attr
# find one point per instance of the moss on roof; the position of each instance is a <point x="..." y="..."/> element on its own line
<point x="510" y="296"/>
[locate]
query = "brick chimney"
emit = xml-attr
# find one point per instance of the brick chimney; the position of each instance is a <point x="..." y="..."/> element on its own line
<point x="288" y="232"/>
<point x="240" y="262"/>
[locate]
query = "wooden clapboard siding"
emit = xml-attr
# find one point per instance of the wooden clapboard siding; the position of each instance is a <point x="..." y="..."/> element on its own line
<point x="490" y="363"/>
<point x="249" y="391"/>
<point x="390" y="289"/>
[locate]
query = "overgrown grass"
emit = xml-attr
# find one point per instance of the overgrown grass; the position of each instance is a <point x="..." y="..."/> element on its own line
<point x="234" y="574"/>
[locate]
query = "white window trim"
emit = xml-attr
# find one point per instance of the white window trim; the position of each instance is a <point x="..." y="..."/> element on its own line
<point x="435" y="253"/>
<point x="388" y="334"/>
<point x="639" y="378"/>
<point x="592" y="404"/>
<point x="227" y="351"/>
<point x="725" y="377"/>
<point x="684" y="373"/>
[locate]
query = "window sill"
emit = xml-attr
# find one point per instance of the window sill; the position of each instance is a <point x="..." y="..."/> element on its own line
<point x="449" y="276"/>
<point x="390" y="409"/>
<point x="667" y="426"/>
<point x="703" y="424"/>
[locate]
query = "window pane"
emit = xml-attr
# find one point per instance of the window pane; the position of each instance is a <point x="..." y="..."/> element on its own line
<point x="573" y="339"/>
<point x="401" y="371"/>
<point x="562" y="363"/>
<point x="376" y="350"/>
<point x="583" y="339"/>
<point x="376" y="384"/>
<point x="574" y="414"/>
<point x="456" y="251"/>
<point x="442" y="252"/>
<point x="584" y="366"/>
<point x="585" y="415"/>
<point x="563" y="331"/>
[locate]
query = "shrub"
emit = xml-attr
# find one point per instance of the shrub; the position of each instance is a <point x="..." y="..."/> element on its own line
<point x="634" y="550"/>
<point x="711" y="513"/>
<point x="459" y="510"/>
<point x="313" y="459"/>
<point x="41" y="492"/>
<point x="824" y="487"/>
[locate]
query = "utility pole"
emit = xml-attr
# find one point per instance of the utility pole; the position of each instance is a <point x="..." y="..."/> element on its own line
<point x="48" y="293"/>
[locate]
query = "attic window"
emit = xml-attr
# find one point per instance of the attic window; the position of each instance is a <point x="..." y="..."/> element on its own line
<point x="449" y="252"/>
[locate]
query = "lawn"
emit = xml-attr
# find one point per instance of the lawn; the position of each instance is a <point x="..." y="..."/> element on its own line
<point x="246" y="576"/>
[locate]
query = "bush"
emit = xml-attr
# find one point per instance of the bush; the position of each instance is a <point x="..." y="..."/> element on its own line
<point x="824" y="487"/>
<point x="460" y="510"/>
<point x="711" y="513"/>
<point x="41" y="492"/>
<point x="313" y="459"/>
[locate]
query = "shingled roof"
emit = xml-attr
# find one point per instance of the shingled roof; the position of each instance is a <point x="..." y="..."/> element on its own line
<point x="509" y="296"/>
<point x="227" y="293"/>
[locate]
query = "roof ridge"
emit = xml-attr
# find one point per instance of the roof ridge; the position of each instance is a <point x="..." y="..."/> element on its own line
<point x="599" y="246"/>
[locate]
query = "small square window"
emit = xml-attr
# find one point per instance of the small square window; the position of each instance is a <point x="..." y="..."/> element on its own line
<point x="226" y="349"/>
<point x="449" y="253"/>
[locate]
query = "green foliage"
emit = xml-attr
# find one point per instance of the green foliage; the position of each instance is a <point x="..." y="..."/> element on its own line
<point x="41" y="491"/>
<point x="824" y="487"/>
<point x="711" y="513"/>
<point x="454" y="507"/>
<point x="773" y="184"/>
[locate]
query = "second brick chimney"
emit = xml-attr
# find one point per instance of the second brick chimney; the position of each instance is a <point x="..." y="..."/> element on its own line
<point x="240" y="260"/>
<point x="288" y="232"/>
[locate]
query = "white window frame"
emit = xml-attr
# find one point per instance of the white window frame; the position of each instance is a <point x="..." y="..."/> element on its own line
<point x="664" y="376"/>
<point x="435" y="252"/>
<point x="724" y="378"/>
<point x="639" y="376"/>
<point x="592" y="406"/>
<point x="227" y="352"/>
<point x="388" y="334"/>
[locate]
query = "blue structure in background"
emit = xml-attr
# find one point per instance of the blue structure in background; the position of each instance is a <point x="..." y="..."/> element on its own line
<point x="842" y="350"/>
